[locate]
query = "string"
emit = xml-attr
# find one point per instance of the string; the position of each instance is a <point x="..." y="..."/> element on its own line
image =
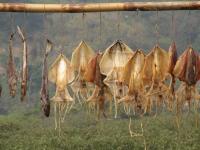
<point x="44" y="29"/>
<point x="136" y="33"/>
<point x="100" y="28"/>
<point x="11" y="23"/>
<point x="25" y="13"/>
<point x="118" y="24"/>
<point x="83" y="25"/>
<point x="173" y="27"/>
<point x="189" y="28"/>
<point x="157" y="28"/>
<point x="62" y="29"/>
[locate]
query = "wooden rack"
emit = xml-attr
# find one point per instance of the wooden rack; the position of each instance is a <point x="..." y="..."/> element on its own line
<point x="99" y="7"/>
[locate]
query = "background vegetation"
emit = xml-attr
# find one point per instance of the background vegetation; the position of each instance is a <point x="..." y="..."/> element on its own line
<point x="22" y="125"/>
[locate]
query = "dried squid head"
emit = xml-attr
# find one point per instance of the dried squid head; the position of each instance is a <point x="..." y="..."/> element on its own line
<point x="92" y="73"/>
<point x="115" y="56"/>
<point x="172" y="57"/>
<point x="46" y="109"/>
<point x="155" y="67"/>
<point x="187" y="67"/>
<point x="81" y="56"/>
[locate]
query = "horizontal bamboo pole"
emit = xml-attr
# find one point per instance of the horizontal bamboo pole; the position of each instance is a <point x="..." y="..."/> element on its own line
<point x="99" y="7"/>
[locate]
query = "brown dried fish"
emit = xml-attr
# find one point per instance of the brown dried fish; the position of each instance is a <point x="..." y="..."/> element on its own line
<point x="11" y="71"/>
<point x="44" y="93"/>
<point x="24" y="73"/>
<point x="172" y="57"/>
<point x="101" y="91"/>
<point x="187" y="67"/>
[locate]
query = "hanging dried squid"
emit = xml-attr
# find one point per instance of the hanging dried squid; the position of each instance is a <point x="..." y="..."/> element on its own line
<point x="80" y="58"/>
<point x="187" y="70"/>
<point x="154" y="73"/>
<point x="61" y="74"/>
<point x="44" y="93"/>
<point x="111" y="65"/>
<point x="11" y="71"/>
<point x="170" y="93"/>
<point x="132" y="77"/>
<point x="101" y="91"/>
<point x="24" y="73"/>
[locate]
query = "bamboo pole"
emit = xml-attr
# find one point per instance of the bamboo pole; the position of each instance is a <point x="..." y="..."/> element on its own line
<point x="99" y="7"/>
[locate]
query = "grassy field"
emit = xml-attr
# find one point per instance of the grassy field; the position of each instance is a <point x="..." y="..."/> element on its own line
<point x="80" y="131"/>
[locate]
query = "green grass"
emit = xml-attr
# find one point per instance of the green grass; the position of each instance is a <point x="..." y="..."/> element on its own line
<point x="80" y="131"/>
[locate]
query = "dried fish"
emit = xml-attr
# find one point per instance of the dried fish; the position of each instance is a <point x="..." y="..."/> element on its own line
<point x="187" y="67"/>
<point x="80" y="58"/>
<point x="101" y="91"/>
<point x="61" y="73"/>
<point x="24" y="73"/>
<point x="112" y="63"/>
<point x="11" y="71"/>
<point x="44" y="93"/>
<point x="172" y="57"/>
<point x="132" y="76"/>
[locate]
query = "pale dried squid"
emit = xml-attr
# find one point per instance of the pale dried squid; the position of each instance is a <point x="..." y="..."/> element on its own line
<point x="132" y="77"/>
<point x="154" y="73"/>
<point x="24" y="73"/>
<point x="80" y="58"/>
<point x="112" y="64"/>
<point x="61" y="73"/>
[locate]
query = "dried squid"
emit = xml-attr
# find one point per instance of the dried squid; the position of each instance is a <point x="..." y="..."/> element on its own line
<point x="111" y="65"/>
<point x="24" y="73"/>
<point x="132" y="76"/>
<point x="11" y="71"/>
<point x="80" y="58"/>
<point x="101" y="91"/>
<point x="154" y="73"/>
<point x="44" y="93"/>
<point x="187" y="70"/>
<point x="61" y="73"/>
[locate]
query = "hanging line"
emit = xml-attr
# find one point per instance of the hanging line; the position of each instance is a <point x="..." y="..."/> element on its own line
<point x="100" y="28"/>
<point x="62" y="29"/>
<point x="44" y="28"/>
<point x="189" y="29"/>
<point x="118" y="25"/>
<point x="136" y="33"/>
<point x="157" y="28"/>
<point x="83" y="26"/>
<point x="173" y="26"/>
<point x="24" y="25"/>
<point x="12" y="30"/>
